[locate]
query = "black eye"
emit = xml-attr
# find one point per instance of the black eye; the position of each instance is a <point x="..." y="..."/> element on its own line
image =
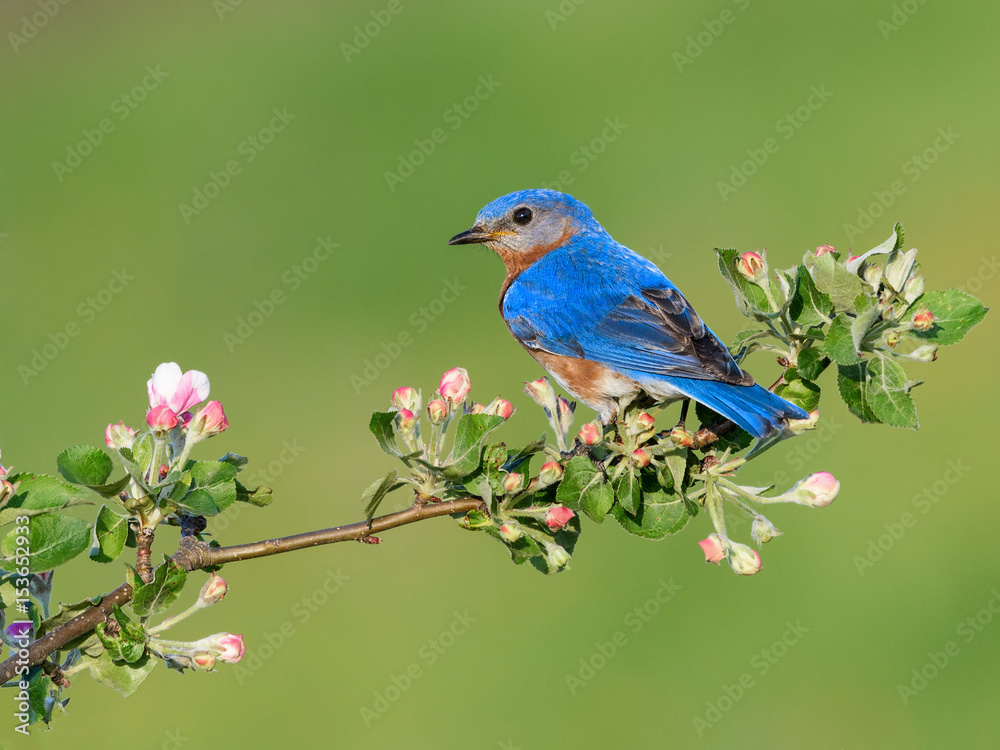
<point x="522" y="215"/>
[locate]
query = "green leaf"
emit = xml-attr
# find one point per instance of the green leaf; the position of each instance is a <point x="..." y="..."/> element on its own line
<point x="867" y="313"/>
<point x="383" y="428"/>
<point x="213" y="487"/>
<point x="955" y="313"/>
<point x="661" y="514"/>
<point x="851" y="382"/>
<point x="82" y="464"/>
<point x="207" y="473"/>
<point x="809" y="306"/>
<point x="260" y="496"/>
<point x="839" y="284"/>
<point x="38" y="494"/>
<point x="378" y="489"/>
<point x="798" y="390"/>
<point x="811" y="363"/>
<point x="894" y="242"/>
<point x="469" y="435"/>
<point x="235" y="459"/>
<point x="157" y="595"/>
<point x="627" y="491"/>
<point x="839" y="344"/>
<point x="583" y="488"/>
<point x="110" y="533"/>
<point x="746" y="343"/>
<point x="888" y="392"/>
<point x="750" y="298"/>
<point x="51" y="541"/>
<point x="125" y="678"/>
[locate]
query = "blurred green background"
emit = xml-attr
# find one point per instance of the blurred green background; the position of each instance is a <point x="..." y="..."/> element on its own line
<point x="354" y="103"/>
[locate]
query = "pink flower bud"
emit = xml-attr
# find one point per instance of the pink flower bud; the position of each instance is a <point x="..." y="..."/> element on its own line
<point x="230" y="646"/>
<point x="681" y="437"/>
<point x="513" y="482"/>
<point x="210" y="421"/>
<point x="645" y="420"/>
<point x="640" y="458"/>
<point x="477" y="408"/>
<point x="551" y="473"/>
<point x="817" y="490"/>
<point x="510" y="532"/>
<point x="213" y="591"/>
<point x="406" y="398"/>
<point x="6" y="491"/>
<point x="119" y="436"/>
<point x="455" y="386"/>
<point x="752" y="267"/>
<point x="558" y="516"/>
<point x="161" y="420"/>
<point x="892" y="339"/>
<point x="590" y="434"/>
<point x="437" y="411"/>
<point x="713" y="548"/>
<point x="743" y="560"/>
<point x="500" y="407"/>
<point x="923" y="320"/>
<point x="824" y="250"/>
<point x="405" y="420"/>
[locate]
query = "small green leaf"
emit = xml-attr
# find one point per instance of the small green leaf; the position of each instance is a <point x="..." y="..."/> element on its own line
<point x="125" y="678"/>
<point x="851" y="382"/>
<point x="378" y="489"/>
<point x="383" y="428"/>
<point x="51" y="541"/>
<point x="955" y="313"/>
<point x="746" y="343"/>
<point x="82" y="464"/>
<point x="157" y="595"/>
<point x="798" y="390"/>
<point x="839" y="344"/>
<point x="260" y="496"/>
<point x="627" y="491"/>
<point x="110" y="533"/>
<point x="867" y="313"/>
<point x="839" y="284"/>
<point x="583" y="487"/>
<point x="888" y="392"/>
<point x="811" y="363"/>
<point x="809" y="306"/>
<point x="472" y="429"/>
<point x="661" y="514"/>
<point x="38" y="494"/>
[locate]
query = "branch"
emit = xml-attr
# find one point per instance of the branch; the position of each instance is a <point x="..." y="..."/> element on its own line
<point x="194" y="555"/>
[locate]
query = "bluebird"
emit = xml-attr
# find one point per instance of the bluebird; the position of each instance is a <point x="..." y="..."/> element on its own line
<point x="604" y="321"/>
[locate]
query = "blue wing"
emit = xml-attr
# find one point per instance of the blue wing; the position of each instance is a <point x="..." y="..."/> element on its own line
<point x="600" y="301"/>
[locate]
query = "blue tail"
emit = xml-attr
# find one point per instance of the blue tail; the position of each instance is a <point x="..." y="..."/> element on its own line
<point x="754" y="408"/>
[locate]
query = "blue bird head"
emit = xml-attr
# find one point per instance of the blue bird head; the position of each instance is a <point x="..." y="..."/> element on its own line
<point x="528" y="223"/>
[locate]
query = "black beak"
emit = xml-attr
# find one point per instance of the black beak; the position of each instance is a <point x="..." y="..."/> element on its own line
<point x="469" y="237"/>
